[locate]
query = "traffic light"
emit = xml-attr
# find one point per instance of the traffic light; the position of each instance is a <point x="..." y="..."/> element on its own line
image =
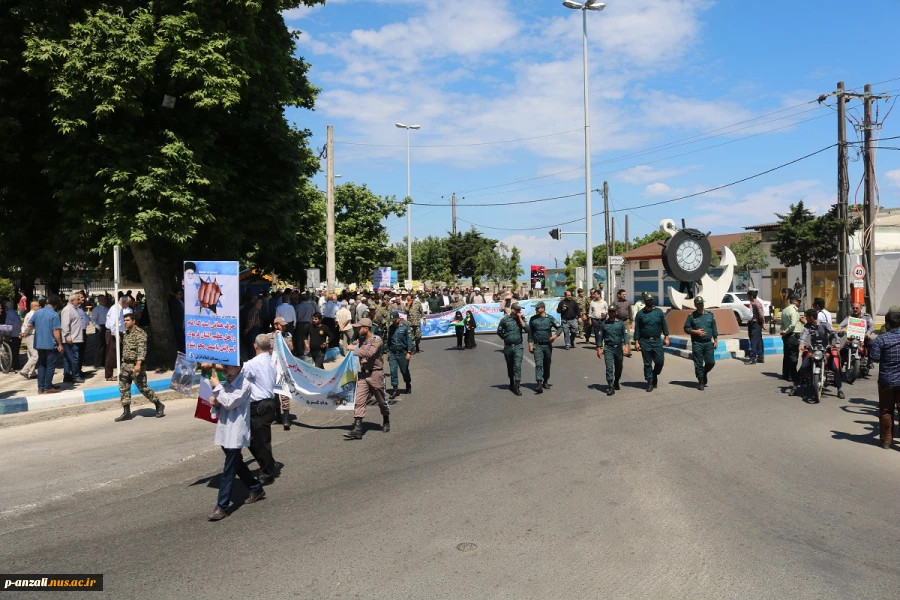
<point x="554" y="233"/>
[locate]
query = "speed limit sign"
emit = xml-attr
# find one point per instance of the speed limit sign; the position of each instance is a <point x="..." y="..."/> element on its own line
<point x="859" y="272"/>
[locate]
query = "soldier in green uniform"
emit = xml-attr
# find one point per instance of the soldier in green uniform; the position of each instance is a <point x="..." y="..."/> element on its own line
<point x="399" y="347"/>
<point x="540" y="344"/>
<point x="434" y="303"/>
<point x="414" y="317"/>
<point x="510" y="331"/>
<point x="649" y="324"/>
<point x="134" y="353"/>
<point x="704" y="339"/>
<point x="611" y="339"/>
<point x="382" y="318"/>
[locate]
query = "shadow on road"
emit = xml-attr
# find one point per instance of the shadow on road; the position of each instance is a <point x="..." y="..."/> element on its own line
<point x="870" y="438"/>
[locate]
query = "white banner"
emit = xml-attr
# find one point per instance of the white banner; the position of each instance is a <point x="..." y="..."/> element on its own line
<point x="312" y="387"/>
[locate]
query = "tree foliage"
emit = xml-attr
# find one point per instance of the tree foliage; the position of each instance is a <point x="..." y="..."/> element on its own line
<point x="221" y="175"/>
<point x="465" y="251"/>
<point x="749" y="254"/>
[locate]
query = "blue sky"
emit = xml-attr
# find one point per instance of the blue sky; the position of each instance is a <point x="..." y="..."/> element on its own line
<point x="662" y="73"/>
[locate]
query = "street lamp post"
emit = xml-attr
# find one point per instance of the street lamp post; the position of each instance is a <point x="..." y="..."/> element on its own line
<point x="408" y="206"/>
<point x="589" y="254"/>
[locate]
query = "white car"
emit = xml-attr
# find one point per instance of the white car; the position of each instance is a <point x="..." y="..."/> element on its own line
<point x="739" y="303"/>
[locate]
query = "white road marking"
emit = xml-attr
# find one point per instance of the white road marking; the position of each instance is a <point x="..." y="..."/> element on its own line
<point x="525" y="354"/>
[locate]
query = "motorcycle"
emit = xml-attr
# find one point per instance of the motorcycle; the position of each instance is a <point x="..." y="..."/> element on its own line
<point x="819" y="375"/>
<point x="852" y="359"/>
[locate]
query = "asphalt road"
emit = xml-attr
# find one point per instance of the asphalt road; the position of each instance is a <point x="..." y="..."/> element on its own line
<point x="735" y="492"/>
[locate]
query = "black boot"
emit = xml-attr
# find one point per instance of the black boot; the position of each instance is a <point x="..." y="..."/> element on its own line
<point x="547" y="386"/>
<point x="700" y="384"/>
<point x="394" y="394"/>
<point x="417" y="348"/>
<point x="540" y="388"/>
<point x="356" y="432"/>
<point x="512" y="386"/>
<point x="650" y="385"/>
<point x="286" y="420"/>
<point x="386" y="426"/>
<point x="516" y="389"/>
<point x="409" y="388"/>
<point x="616" y="385"/>
<point x="160" y="409"/>
<point x="609" y="390"/>
<point x="655" y="381"/>
<point x="126" y="414"/>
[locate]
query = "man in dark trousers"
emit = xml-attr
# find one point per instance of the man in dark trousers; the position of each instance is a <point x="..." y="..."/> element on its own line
<point x="540" y="343"/>
<point x="569" y="314"/>
<point x="649" y="325"/>
<point x="623" y="312"/>
<point x="610" y="338"/>
<point x="400" y="347"/>
<point x="510" y="331"/>
<point x="701" y="325"/>
<point x="317" y="342"/>
<point x="755" y="327"/>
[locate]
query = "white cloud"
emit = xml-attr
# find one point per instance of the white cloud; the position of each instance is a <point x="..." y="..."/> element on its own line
<point x="893" y="178"/>
<point x="761" y="206"/>
<point x="657" y="189"/>
<point x="642" y="174"/>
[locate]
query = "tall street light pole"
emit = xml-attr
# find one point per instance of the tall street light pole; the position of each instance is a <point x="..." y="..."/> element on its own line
<point x="589" y="251"/>
<point x="408" y="206"/>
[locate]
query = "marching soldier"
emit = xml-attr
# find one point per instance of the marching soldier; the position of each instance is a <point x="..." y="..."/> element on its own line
<point x="400" y="347"/>
<point x="704" y="339"/>
<point x="134" y="353"/>
<point x="370" y="379"/>
<point x="610" y="339"/>
<point x="649" y="324"/>
<point x="540" y="344"/>
<point x="382" y="318"/>
<point x="414" y="317"/>
<point x="510" y="331"/>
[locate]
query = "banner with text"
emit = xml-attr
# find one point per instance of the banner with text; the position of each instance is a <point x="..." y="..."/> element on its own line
<point x="487" y="317"/>
<point x="312" y="387"/>
<point x="211" y="308"/>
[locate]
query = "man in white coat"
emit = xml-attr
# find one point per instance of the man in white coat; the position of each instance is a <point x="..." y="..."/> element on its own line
<point x="231" y="403"/>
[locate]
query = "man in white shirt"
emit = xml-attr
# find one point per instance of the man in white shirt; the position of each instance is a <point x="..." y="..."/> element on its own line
<point x="824" y="315"/>
<point x="82" y="345"/>
<point x="477" y="297"/>
<point x="329" y="317"/>
<point x="28" y="336"/>
<point x="362" y="308"/>
<point x="98" y="318"/>
<point x="115" y="328"/>
<point x="72" y="333"/>
<point x="287" y="312"/>
<point x="597" y="312"/>
<point x="260" y="372"/>
<point x="231" y="403"/>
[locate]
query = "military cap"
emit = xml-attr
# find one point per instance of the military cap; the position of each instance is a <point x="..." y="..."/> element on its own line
<point x="646" y="295"/>
<point x="540" y="305"/>
<point x="363" y="323"/>
<point x="698" y="300"/>
<point x="515" y="306"/>
<point x="894" y="309"/>
<point x="395" y="315"/>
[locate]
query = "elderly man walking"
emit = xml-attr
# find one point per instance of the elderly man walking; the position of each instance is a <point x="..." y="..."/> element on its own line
<point x="73" y="335"/>
<point x="231" y="403"/>
<point x="48" y="342"/>
<point x="27" y="336"/>
<point x="370" y="379"/>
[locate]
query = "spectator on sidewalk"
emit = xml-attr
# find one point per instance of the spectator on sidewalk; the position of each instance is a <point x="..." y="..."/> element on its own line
<point x="344" y="320"/>
<point x="15" y="341"/>
<point x="98" y="318"/>
<point x="28" y="336"/>
<point x="885" y="351"/>
<point x="72" y="335"/>
<point x="82" y="345"/>
<point x="115" y="328"/>
<point x="48" y="342"/>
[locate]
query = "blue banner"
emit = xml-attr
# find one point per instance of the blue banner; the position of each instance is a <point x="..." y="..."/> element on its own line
<point x="312" y="387"/>
<point x="487" y="317"/>
<point x="211" y="308"/>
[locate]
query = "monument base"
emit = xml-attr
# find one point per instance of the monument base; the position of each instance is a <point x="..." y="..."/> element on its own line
<point x="725" y="321"/>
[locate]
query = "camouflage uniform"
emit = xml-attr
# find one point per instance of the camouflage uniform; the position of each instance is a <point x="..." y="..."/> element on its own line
<point x="414" y="318"/>
<point x="382" y="320"/>
<point x="458" y="303"/>
<point x="134" y="349"/>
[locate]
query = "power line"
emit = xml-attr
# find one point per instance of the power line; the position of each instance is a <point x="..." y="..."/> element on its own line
<point x="466" y="145"/>
<point x="661" y="202"/>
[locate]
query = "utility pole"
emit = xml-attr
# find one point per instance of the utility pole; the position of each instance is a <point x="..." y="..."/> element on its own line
<point x="843" y="208"/>
<point x="606" y="225"/>
<point x="869" y="202"/>
<point x="329" y="211"/>
<point x="453" y="204"/>
<point x="611" y="252"/>
<point x="627" y="239"/>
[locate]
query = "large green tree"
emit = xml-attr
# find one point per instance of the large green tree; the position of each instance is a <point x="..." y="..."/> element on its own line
<point x="465" y="251"/>
<point x="171" y="138"/>
<point x="750" y="255"/>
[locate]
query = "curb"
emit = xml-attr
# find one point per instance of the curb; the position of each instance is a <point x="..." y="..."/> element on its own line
<point x="681" y="346"/>
<point x="22" y="404"/>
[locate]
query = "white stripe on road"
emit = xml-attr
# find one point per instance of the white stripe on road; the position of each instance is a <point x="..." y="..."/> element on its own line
<point x="524" y="354"/>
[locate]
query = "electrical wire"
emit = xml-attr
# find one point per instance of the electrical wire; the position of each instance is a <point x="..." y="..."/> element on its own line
<point x="661" y="202"/>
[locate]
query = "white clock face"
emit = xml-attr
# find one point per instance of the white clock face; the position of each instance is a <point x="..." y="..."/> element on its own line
<point x="689" y="256"/>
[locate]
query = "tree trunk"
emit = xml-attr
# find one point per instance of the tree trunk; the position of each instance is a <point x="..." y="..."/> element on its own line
<point x="162" y="340"/>
<point x="806" y="301"/>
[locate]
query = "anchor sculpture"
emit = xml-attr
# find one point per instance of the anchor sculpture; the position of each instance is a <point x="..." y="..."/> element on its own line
<point x="687" y="255"/>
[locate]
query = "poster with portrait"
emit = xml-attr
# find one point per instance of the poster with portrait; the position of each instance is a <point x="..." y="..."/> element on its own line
<point x="211" y="306"/>
<point x="538" y="277"/>
<point x="381" y="281"/>
<point x="183" y="375"/>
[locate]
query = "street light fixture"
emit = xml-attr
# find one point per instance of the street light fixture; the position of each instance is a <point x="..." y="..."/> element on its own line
<point x="589" y="253"/>
<point x="408" y="207"/>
